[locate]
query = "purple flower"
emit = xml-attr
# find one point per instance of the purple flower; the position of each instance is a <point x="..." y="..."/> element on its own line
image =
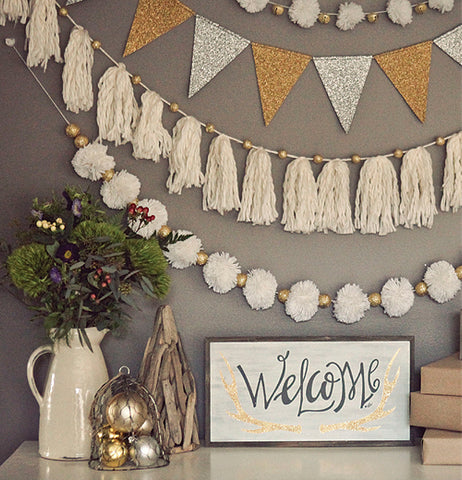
<point x="55" y="275"/>
<point x="76" y="207"/>
<point x="68" y="252"/>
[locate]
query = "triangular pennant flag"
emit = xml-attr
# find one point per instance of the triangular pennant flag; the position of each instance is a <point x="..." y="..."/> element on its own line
<point x="214" y="48"/>
<point x="152" y="19"/>
<point x="409" y="70"/>
<point x="451" y="43"/>
<point x="344" y="79"/>
<point x="277" y="72"/>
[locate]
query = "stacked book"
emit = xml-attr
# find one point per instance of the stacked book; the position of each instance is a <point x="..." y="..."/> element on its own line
<point x="438" y="407"/>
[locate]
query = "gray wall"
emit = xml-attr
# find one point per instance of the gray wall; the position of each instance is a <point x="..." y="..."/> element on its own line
<point x="35" y="159"/>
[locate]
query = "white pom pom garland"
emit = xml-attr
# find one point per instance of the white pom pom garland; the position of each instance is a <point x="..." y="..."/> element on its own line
<point x="253" y="6"/>
<point x="303" y="301"/>
<point x="260" y="289"/>
<point x="349" y="15"/>
<point x="351" y="304"/>
<point x="220" y="272"/>
<point x="397" y="297"/>
<point x="442" y="281"/>
<point x="304" y="12"/>
<point x="183" y="254"/>
<point x="159" y="211"/>
<point x="400" y="11"/>
<point x="92" y="161"/>
<point x="442" y="5"/>
<point x="122" y="189"/>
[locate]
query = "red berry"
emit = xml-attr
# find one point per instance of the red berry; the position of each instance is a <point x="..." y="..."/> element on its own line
<point x="145" y="210"/>
<point x="139" y="209"/>
<point x="104" y="284"/>
<point x="93" y="296"/>
<point x="107" y="277"/>
<point x="152" y="218"/>
<point x="108" y="281"/>
<point x="99" y="271"/>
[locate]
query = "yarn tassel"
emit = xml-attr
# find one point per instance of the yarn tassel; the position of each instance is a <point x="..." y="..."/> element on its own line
<point x="258" y="203"/>
<point x="42" y="34"/>
<point x="377" y="197"/>
<point x="334" y="209"/>
<point x="150" y="139"/>
<point x="185" y="160"/>
<point x="300" y="202"/>
<point x="220" y="190"/>
<point x="417" y="191"/>
<point x="78" y="62"/>
<point x="117" y="110"/>
<point x="14" y="10"/>
<point x="452" y="181"/>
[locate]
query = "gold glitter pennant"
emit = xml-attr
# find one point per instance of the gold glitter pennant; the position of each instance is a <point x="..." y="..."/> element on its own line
<point x="409" y="70"/>
<point x="277" y="72"/>
<point x="152" y="19"/>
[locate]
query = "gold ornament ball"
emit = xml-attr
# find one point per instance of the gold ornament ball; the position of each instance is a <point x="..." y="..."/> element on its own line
<point x="282" y="154"/>
<point x="375" y="299"/>
<point x="420" y="8"/>
<point x="63" y="12"/>
<point x="278" y="10"/>
<point x="113" y="453"/>
<point x="202" y="258"/>
<point x="247" y="144"/>
<point x="440" y="141"/>
<point x="318" y="159"/>
<point x="372" y="17"/>
<point x="164" y="231"/>
<point x="421" y="289"/>
<point x="72" y="130"/>
<point x="324" y="18"/>
<point x="398" y="153"/>
<point x="126" y="412"/>
<point x="210" y="128"/>
<point x="241" y="280"/>
<point x="283" y="295"/>
<point x="324" y="300"/>
<point x="136" y="79"/>
<point x="356" y="158"/>
<point x="106" y="432"/>
<point x="146" y="428"/>
<point x="96" y="44"/>
<point x="174" y="107"/>
<point x="459" y="272"/>
<point x="81" y="141"/>
<point x="107" y="175"/>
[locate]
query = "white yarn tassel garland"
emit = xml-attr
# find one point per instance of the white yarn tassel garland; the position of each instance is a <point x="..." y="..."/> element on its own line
<point x="42" y="34"/>
<point x="78" y="62"/>
<point x="334" y="209"/>
<point x="452" y="182"/>
<point x="417" y="191"/>
<point x="220" y="191"/>
<point x="150" y="139"/>
<point x="300" y="202"/>
<point x="377" y="197"/>
<point x="185" y="159"/>
<point x="117" y="110"/>
<point x="14" y="10"/>
<point x="258" y="203"/>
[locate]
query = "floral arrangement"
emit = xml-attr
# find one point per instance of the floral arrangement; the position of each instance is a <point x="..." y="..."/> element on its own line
<point x="80" y="267"/>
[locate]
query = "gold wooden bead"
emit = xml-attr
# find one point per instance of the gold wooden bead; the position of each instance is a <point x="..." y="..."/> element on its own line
<point x="324" y="300"/>
<point x="202" y="258"/>
<point x="375" y="299"/>
<point x="107" y="175"/>
<point x="247" y="144"/>
<point x="318" y="159"/>
<point x="136" y="79"/>
<point x="356" y="158"/>
<point x="63" y="12"/>
<point x="324" y="18"/>
<point x="398" y="153"/>
<point x="210" y="128"/>
<point x="277" y="10"/>
<point x="241" y="280"/>
<point x="282" y="154"/>
<point x="174" y="107"/>
<point x="96" y="44"/>
<point x="81" y="141"/>
<point x="372" y="17"/>
<point x="459" y="272"/>
<point x="72" y="130"/>
<point x="421" y="289"/>
<point x="420" y="8"/>
<point x="164" y="231"/>
<point x="283" y="295"/>
<point x="440" y="141"/>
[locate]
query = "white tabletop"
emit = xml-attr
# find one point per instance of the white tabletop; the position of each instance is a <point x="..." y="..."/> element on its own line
<point x="329" y="463"/>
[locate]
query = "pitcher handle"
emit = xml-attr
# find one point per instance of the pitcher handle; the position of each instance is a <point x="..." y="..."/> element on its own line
<point x="38" y="352"/>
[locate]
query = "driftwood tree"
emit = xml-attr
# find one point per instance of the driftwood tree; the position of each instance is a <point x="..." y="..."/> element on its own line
<point x="166" y="373"/>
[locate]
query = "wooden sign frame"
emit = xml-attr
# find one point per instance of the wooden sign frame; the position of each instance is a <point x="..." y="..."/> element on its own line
<point x="312" y="391"/>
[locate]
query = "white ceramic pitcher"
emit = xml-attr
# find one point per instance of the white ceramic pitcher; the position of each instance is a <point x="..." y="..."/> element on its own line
<point x="74" y="375"/>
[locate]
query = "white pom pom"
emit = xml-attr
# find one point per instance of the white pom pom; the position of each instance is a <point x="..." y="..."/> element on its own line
<point x="260" y="289"/>
<point x="397" y="297"/>
<point x="351" y="304"/>
<point x="183" y="253"/>
<point x="303" y="301"/>
<point x="349" y="15"/>
<point x="442" y="5"/>
<point x="442" y="282"/>
<point x="253" y="6"/>
<point x="304" y="12"/>
<point x="92" y="161"/>
<point x="157" y="209"/>
<point x="122" y="189"/>
<point x="220" y="272"/>
<point x="400" y="11"/>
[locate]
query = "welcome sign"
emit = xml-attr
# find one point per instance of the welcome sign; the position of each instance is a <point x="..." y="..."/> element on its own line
<point x="314" y="390"/>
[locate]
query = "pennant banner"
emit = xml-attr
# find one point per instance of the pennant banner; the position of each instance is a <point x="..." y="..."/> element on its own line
<point x="344" y="79"/>
<point x="214" y="48"/>
<point x="451" y="43"/>
<point x="152" y="19"/>
<point x="277" y="72"/>
<point x="409" y="71"/>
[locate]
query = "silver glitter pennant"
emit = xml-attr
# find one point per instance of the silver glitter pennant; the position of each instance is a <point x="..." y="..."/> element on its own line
<point x="214" y="48"/>
<point x="451" y="43"/>
<point x="71" y="2"/>
<point x="344" y="79"/>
